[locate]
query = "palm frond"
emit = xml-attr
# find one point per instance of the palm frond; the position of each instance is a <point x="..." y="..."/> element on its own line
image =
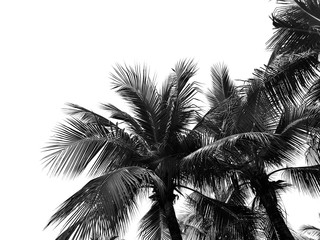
<point x="118" y="114"/>
<point x="311" y="231"/>
<point x="262" y="139"/>
<point x="87" y="116"/>
<point x="178" y="109"/>
<point x="153" y="224"/>
<point x="296" y="128"/>
<point x="288" y="78"/>
<point x="136" y="87"/>
<point x="76" y="143"/>
<point x="104" y="205"/>
<point x="222" y="85"/>
<point x="297" y="27"/>
<point x="305" y="179"/>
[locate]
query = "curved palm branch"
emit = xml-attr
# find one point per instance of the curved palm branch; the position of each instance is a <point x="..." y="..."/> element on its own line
<point x="288" y="77"/>
<point x="297" y="27"/>
<point x="87" y="116"/>
<point x="104" y="204"/>
<point x="77" y="143"/>
<point x="305" y="179"/>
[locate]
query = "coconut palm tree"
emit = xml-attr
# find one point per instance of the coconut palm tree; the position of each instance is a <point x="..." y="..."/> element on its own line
<point x="140" y="152"/>
<point x="253" y="139"/>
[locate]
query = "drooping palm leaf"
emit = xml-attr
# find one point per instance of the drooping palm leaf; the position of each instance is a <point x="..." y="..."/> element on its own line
<point x="288" y="78"/>
<point x="76" y="143"/>
<point x="104" y="204"/>
<point x="297" y="27"/>
<point x="305" y="179"/>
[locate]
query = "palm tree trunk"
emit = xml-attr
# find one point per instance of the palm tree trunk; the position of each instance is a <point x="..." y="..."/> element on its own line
<point x="172" y="221"/>
<point x="268" y="198"/>
<point x="276" y="218"/>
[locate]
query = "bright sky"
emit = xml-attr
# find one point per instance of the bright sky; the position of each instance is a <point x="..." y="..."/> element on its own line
<point x="53" y="52"/>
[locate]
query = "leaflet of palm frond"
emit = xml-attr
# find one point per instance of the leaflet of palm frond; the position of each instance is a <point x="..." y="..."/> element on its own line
<point x="305" y="179"/>
<point x="76" y="143"/>
<point x="227" y="219"/>
<point x="222" y="86"/>
<point x="88" y="116"/>
<point x="297" y="27"/>
<point x="288" y="79"/>
<point x="104" y="204"/>
<point x="136" y="87"/>
<point x="311" y="231"/>
<point x="153" y="224"/>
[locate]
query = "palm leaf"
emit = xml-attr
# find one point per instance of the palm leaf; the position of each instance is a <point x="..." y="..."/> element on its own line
<point x="178" y="109"/>
<point x="305" y="179"/>
<point x="87" y="116"/>
<point x="136" y="87"/>
<point x="118" y="114"/>
<point x="288" y="78"/>
<point x="153" y="225"/>
<point x="222" y="85"/>
<point x="77" y="143"/>
<point x="104" y="204"/>
<point x="297" y="27"/>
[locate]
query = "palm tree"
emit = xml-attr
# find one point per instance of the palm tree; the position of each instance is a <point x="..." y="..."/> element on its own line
<point x="140" y="152"/>
<point x="254" y="138"/>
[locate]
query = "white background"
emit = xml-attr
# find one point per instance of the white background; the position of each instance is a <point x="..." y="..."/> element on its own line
<point x="53" y="52"/>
